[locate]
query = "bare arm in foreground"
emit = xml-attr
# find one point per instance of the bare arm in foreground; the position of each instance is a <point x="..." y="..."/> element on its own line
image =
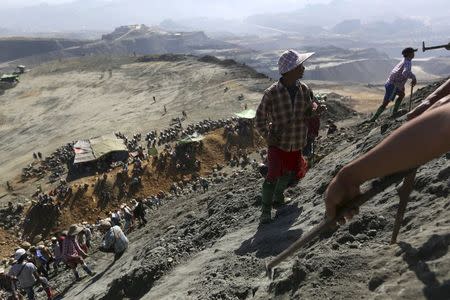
<point x="437" y="96"/>
<point x="415" y="143"/>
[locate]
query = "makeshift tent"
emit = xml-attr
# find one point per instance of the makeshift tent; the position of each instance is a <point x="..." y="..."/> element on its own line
<point x="9" y="78"/>
<point x="191" y="138"/>
<point x="246" y="114"/>
<point x="93" y="149"/>
<point x="152" y="151"/>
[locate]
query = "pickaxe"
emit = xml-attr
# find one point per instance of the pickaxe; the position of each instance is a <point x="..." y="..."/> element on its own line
<point x="447" y="46"/>
<point x="328" y="223"/>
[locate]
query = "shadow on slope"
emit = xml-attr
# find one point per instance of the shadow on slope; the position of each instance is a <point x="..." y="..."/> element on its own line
<point x="434" y="248"/>
<point x="272" y="239"/>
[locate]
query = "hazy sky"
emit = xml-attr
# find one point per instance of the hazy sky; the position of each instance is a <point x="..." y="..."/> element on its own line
<point x="240" y="7"/>
<point x="20" y="3"/>
<point x="107" y="14"/>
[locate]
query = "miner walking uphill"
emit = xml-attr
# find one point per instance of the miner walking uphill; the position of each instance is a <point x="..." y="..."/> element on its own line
<point x="114" y="240"/>
<point x="26" y="274"/>
<point x="281" y="119"/>
<point x="395" y="84"/>
<point x="72" y="253"/>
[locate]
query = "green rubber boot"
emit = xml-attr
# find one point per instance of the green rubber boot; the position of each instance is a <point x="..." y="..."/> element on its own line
<point x="378" y="113"/>
<point x="280" y="187"/>
<point x="396" y="106"/>
<point x="267" y="196"/>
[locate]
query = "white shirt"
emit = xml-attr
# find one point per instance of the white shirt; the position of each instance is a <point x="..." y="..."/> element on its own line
<point x="26" y="277"/>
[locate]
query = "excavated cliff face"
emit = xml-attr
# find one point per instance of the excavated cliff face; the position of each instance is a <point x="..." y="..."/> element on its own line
<point x="209" y="245"/>
<point x="123" y="41"/>
<point x="14" y="48"/>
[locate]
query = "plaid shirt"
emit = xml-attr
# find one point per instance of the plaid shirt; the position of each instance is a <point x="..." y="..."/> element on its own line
<point x="70" y="248"/>
<point x="282" y="124"/>
<point x="400" y="74"/>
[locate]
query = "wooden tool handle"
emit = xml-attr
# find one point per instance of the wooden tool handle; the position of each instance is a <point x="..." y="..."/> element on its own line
<point x="376" y="188"/>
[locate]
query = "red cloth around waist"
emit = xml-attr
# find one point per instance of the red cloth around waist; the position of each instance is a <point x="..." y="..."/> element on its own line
<point x="282" y="162"/>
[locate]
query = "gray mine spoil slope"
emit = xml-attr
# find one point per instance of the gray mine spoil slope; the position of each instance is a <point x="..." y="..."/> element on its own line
<point x="59" y="102"/>
<point x="209" y="246"/>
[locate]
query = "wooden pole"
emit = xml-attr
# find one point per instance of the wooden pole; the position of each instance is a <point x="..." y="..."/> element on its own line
<point x="404" y="191"/>
<point x="410" y="98"/>
<point x="377" y="188"/>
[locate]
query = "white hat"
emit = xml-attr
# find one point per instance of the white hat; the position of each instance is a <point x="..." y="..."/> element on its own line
<point x="19" y="253"/>
<point x="74" y="230"/>
<point x="291" y="59"/>
<point x="106" y="224"/>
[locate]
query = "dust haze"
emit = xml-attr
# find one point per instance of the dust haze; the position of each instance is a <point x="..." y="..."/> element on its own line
<point x="176" y="84"/>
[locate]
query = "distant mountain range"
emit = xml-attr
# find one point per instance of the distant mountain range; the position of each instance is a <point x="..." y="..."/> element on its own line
<point x="124" y="40"/>
<point x="375" y="17"/>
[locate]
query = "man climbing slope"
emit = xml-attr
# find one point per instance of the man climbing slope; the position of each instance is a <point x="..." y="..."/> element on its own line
<point x="429" y="126"/>
<point x="395" y="84"/>
<point x="281" y="120"/>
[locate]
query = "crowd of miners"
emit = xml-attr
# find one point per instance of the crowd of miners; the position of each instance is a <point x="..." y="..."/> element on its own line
<point x="69" y="248"/>
<point x="54" y="163"/>
<point x="241" y="127"/>
<point x="33" y="265"/>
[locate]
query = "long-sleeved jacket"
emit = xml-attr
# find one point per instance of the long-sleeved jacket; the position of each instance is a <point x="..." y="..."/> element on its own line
<point x="281" y="122"/>
<point x="115" y="238"/>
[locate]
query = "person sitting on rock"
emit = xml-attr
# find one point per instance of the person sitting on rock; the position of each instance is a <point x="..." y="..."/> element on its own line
<point x="114" y="240"/>
<point x="25" y="273"/>
<point x="281" y="120"/>
<point x="395" y="84"/>
<point x="398" y="152"/>
<point x="72" y="253"/>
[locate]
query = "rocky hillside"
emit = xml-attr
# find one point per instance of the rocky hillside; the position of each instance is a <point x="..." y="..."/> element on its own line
<point x="79" y="98"/>
<point x="345" y="66"/>
<point x="125" y="40"/>
<point x="14" y="48"/>
<point x="209" y="245"/>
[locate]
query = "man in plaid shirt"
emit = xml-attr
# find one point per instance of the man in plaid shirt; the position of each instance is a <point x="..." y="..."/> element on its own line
<point x="281" y="120"/>
<point x="395" y="85"/>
